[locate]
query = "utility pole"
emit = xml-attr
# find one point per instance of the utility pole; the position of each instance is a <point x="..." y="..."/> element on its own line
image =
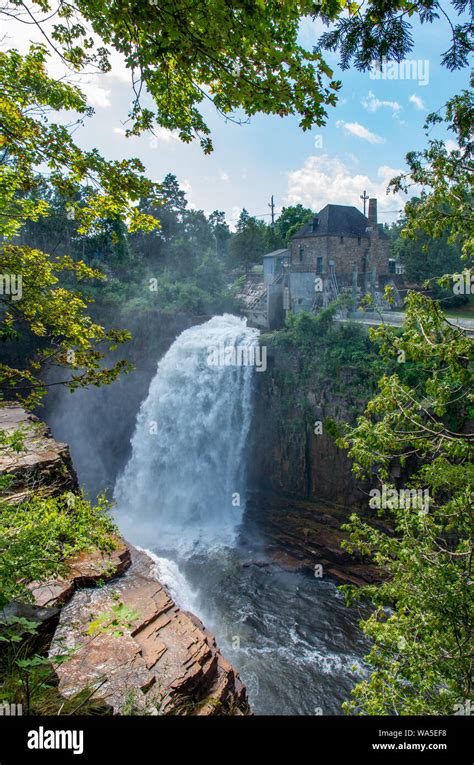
<point x="272" y="208"/>
<point x="364" y="197"/>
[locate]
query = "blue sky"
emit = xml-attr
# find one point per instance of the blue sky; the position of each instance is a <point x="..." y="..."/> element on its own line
<point x="362" y="146"/>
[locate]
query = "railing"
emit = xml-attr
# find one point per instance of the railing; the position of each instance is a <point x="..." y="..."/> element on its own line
<point x="333" y="281"/>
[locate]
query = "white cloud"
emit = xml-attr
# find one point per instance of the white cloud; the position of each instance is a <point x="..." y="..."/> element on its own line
<point x="355" y="128"/>
<point x="118" y="69"/>
<point x="451" y="145"/>
<point x="96" y="96"/>
<point x="372" y="103"/>
<point x="323" y="179"/>
<point x="186" y="186"/>
<point x="163" y="135"/>
<point x="417" y="101"/>
<point x="224" y="176"/>
<point x="119" y="131"/>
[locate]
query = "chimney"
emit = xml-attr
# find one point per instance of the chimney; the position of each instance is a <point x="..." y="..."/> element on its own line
<point x="373" y="213"/>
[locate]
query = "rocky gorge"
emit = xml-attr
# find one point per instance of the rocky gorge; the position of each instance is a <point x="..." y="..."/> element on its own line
<point x="298" y="479"/>
<point x="299" y="491"/>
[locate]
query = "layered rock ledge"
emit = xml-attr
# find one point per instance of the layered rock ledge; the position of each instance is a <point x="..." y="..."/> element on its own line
<point x="301" y="535"/>
<point x="145" y="655"/>
<point x="44" y="465"/>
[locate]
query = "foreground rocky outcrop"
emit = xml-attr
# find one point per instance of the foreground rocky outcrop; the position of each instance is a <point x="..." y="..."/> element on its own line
<point x="145" y="655"/>
<point x="124" y="638"/>
<point x="45" y="464"/>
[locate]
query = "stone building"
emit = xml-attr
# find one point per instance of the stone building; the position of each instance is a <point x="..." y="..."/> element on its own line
<point x="339" y="251"/>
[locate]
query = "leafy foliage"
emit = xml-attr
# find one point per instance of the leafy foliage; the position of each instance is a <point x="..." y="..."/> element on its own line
<point x="56" y="316"/>
<point x="114" y="622"/>
<point x="376" y="30"/>
<point x="421" y="627"/>
<point x="446" y="176"/>
<point x="426" y="260"/>
<point x="42" y="307"/>
<point x="290" y="220"/>
<point x="37" y="537"/>
<point x="27" y="674"/>
<point x="242" y="57"/>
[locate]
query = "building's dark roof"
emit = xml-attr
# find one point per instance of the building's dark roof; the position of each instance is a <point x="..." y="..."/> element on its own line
<point x="337" y="220"/>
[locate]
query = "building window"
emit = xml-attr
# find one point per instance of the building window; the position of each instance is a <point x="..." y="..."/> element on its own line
<point x="341" y="239"/>
<point x="319" y="265"/>
<point x="391" y="266"/>
<point x="301" y="254"/>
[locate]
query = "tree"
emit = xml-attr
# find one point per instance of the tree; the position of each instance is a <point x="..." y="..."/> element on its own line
<point x="291" y="219"/>
<point x="192" y="241"/>
<point x="426" y="259"/>
<point x="243" y="57"/>
<point x="375" y="31"/>
<point x="249" y="242"/>
<point x="421" y="627"/>
<point x="96" y="192"/>
<point x="221" y="232"/>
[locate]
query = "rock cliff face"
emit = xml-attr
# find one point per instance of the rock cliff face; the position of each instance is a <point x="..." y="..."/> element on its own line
<point x="144" y="654"/>
<point x="288" y="456"/>
<point x="303" y="487"/>
<point x="307" y="536"/>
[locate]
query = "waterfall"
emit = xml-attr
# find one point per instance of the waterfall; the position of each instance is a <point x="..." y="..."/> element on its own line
<point x="183" y="488"/>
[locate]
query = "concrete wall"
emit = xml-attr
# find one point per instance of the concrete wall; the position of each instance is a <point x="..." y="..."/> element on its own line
<point x="269" y="270"/>
<point x="302" y="290"/>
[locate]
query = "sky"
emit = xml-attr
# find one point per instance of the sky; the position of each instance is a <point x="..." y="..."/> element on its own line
<point x="363" y="145"/>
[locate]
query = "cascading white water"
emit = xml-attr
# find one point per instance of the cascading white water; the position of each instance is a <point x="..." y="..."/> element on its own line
<point x="180" y="489"/>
